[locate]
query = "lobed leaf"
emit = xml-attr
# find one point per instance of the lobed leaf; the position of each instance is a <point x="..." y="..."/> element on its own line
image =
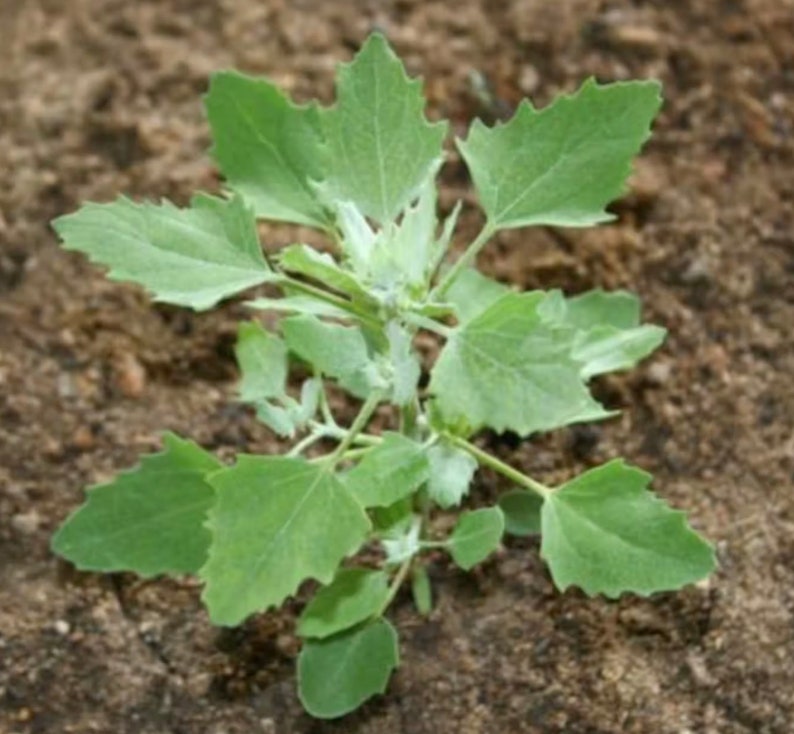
<point x="267" y="147"/>
<point x="149" y="520"/>
<point x="337" y="674"/>
<point x="509" y="369"/>
<point x="189" y="257"/>
<point x="277" y="522"/>
<point x="563" y="164"/>
<point x="377" y="119"/>
<point x="607" y="534"/>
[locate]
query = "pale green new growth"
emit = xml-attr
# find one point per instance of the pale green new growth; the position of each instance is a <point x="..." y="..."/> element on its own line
<point x="367" y="316"/>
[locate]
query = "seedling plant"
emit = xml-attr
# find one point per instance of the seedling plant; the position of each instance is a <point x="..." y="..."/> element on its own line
<point x="363" y="173"/>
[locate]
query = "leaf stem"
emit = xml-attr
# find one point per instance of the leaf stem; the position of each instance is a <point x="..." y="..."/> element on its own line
<point x="328" y="297"/>
<point x="306" y="442"/>
<point x="423" y="322"/>
<point x="463" y="261"/>
<point x="504" y="469"/>
<point x="361" y="420"/>
<point x="397" y="581"/>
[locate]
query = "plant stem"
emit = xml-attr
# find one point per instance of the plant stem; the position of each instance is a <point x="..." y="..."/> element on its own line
<point x="423" y="322"/>
<point x="463" y="261"/>
<point x="397" y="581"/>
<point x="361" y="420"/>
<point x="504" y="469"/>
<point x="328" y="297"/>
<point x="306" y="442"/>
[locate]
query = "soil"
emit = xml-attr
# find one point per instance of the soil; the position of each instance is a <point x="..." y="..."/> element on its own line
<point x="99" y="97"/>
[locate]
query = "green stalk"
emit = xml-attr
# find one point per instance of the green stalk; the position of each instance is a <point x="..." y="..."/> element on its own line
<point x="504" y="469"/>
<point x="361" y="420"/>
<point x="463" y="261"/>
<point x="331" y="298"/>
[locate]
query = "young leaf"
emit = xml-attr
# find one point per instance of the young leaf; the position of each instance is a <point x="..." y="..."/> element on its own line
<point x="277" y="522"/>
<point x="267" y="147"/>
<point x="401" y="541"/>
<point x="451" y="471"/>
<point x="336" y="675"/>
<point x="377" y="119"/>
<point x="510" y="369"/>
<point x="607" y="534"/>
<point x="471" y="293"/>
<point x="402" y="254"/>
<point x="262" y="358"/>
<point x="352" y="597"/>
<point x="276" y="418"/>
<point x="392" y="470"/>
<point x="335" y="350"/>
<point x="149" y="520"/>
<point x="190" y="257"/>
<point x="476" y="536"/>
<point x="320" y="266"/>
<point x="404" y="364"/>
<point x="421" y="590"/>
<point x="522" y="512"/>
<point x="561" y="165"/>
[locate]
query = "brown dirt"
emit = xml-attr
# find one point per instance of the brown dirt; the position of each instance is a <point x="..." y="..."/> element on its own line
<point x="102" y="96"/>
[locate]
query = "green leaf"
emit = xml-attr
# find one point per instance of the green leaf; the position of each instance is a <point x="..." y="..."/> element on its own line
<point x="322" y="267"/>
<point x="149" y="520"/>
<point x="603" y="308"/>
<point x="379" y="146"/>
<point x="336" y="675"/>
<point x="190" y="257"/>
<point x="421" y="590"/>
<point x="352" y="597"/>
<point x="476" y="536"/>
<point x="392" y="470"/>
<point x="262" y="358"/>
<point x="451" y="471"/>
<point x="337" y="351"/>
<point x="277" y="522"/>
<point x="401" y="255"/>
<point x="405" y="367"/>
<point x="604" y="349"/>
<point x="510" y="369"/>
<point x="299" y="305"/>
<point x="607" y="534"/>
<point x="471" y="293"/>
<point x="277" y="419"/>
<point x="608" y="333"/>
<point x="563" y="164"/>
<point x="267" y="147"/>
<point x="522" y="512"/>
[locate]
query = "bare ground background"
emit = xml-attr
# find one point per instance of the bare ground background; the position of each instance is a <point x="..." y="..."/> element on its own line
<point x="99" y="97"/>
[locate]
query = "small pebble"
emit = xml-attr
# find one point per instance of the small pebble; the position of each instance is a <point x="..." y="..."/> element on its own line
<point x="62" y="627"/>
<point x="26" y="523"/>
<point x="130" y="376"/>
